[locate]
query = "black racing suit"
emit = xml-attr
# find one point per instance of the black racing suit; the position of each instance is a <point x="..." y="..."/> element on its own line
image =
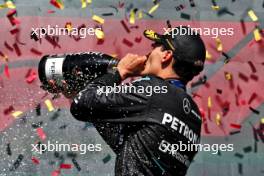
<point x="143" y="130"/>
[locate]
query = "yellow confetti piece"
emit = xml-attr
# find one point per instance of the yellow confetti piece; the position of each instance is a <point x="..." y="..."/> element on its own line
<point x="208" y="55"/>
<point x="252" y="15"/>
<point x="99" y="34"/>
<point x="218" y="119"/>
<point x="132" y="17"/>
<point x="98" y="19"/>
<point x="153" y="9"/>
<point x="209" y="102"/>
<point x="16" y="114"/>
<point x="83" y="4"/>
<point x="89" y="1"/>
<point x="228" y="76"/>
<point x="49" y="105"/>
<point x="68" y="26"/>
<point x="8" y="4"/>
<point x="140" y="15"/>
<point x="215" y="7"/>
<point x="257" y="35"/>
<point x="219" y="45"/>
<point x="262" y="120"/>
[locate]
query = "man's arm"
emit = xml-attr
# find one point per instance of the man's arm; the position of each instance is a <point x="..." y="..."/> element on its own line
<point x="90" y="103"/>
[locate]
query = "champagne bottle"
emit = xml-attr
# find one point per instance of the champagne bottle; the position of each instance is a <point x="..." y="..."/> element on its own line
<point x="72" y="72"/>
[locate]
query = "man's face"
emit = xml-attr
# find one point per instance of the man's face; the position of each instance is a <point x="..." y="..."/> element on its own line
<point x="153" y="64"/>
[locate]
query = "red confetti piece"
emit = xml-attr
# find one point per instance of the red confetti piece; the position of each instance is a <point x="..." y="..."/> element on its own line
<point x="206" y="129"/>
<point x="237" y="126"/>
<point x="65" y="166"/>
<point x="41" y="134"/>
<point x="243" y="77"/>
<point x="35" y="160"/>
<point x="121" y="4"/>
<point x="15" y="31"/>
<point x="243" y="26"/>
<point x="8" y="46"/>
<point x="7" y="71"/>
<point x="31" y="76"/>
<point x="8" y="110"/>
<point x="253" y="97"/>
<point x="50" y="11"/>
<point x="254" y="77"/>
<point x="239" y="91"/>
<point x="253" y="68"/>
<point x="11" y="18"/>
<point x="52" y="41"/>
<point x="138" y="39"/>
<point x="127" y="42"/>
<point x="18" y="52"/>
<point x="35" y="51"/>
<point x="57" y="4"/>
<point x="55" y="173"/>
<point x="125" y="26"/>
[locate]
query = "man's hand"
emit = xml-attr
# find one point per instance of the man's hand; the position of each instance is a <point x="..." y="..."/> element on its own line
<point x="131" y="65"/>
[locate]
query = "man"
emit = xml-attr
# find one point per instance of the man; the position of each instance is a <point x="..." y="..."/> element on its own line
<point x="144" y="130"/>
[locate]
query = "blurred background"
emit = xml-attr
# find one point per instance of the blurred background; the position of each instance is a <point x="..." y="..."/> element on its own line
<point x="229" y="91"/>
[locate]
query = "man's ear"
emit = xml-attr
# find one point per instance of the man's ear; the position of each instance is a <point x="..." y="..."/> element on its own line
<point x="168" y="55"/>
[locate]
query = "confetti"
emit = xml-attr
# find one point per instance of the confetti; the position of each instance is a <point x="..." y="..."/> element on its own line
<point x="180" y="7"/>
<point x="192" y="4"/>
<point x="224" y="11"/>
<point x="55" y="173"/>
<point x="17" y="50"/>
<point x="98" y="19"/>
<point x="240" y="168"/>
<point x="218" y="119"/>
<point x="55" y="116"/>
<point x="17" y="162"/>
<point x="31" y="76"/>
<point x="247" y="149"/>
<point x="219" y="91"/>
<point x="185" y="16"/>
<point x="228" y="76"/>
<point x="243" y="26"/>
<point x="35" y="160"/>
<point x="254" y="110"/>
<point x="253" y="68"/>
<point x="8" y="110"/>
<point x="6" y="71"/>
<point x="208" y="56"/>
<point x="76" y="164"/>
<point x="262" y="120"/>
<point x="15" y="31"/>
<point x="132" y="16"/>
<point x="36" y="125"/>
<point x="239" y="155"/>
<point x="237" y="126"/>
<point x="35" y="51"/>
<point x="38" y="109"/>
<point x="52" y="41"/>
<point x="107" y="14"/>
<point x="200" y="81"/>
<point x="257" y="35"/>
<point x="209" y="102"/>
<point x="125" y="26"/>
<point x="107" y="158"/>
<point x="99" y="34"/>
<point x="219" y="45"/>
<point x="153" y="9"/>
<point x="252" y="97"/>
<point x="41" y="133"/>
<point x="252" y="15"/>
<point x="49" y="105"/>
<point x="11" y="17"/>
<point x="17" y="114"/>
<point x="7" y="4"/>
<point x="234" y="132"/>
<point x="8" y="46"/>
<point x="8" y="149"/>
<point x="215" y="7"/>
<point x="140" y="14"/>
<point x="127" y="42"/>
<point x="57" y="3"/>
<point x="243" y="77"/>
<point x="65" y="166"/>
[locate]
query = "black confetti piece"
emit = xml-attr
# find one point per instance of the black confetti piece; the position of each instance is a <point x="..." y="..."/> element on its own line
<point x="214" y="3"/>
<point x="239" y="155"/>
<point x="224" y="11"/>
<point x="227" y="58"/>
<point x="254" y="110"/>
<point x="17" y="162"/>
<point x="185" y="16"/>
<point x="219" y="91"/>
<point x="255" y="146"/>
<point x="76" y="164"/>
<point x="201" y="80"/>
<point x="71" y="155"/>
<point x="247" y="149"/>
<point x="37" y="124"/>
<point x="107" y="158"/>
<point x="240" y="168"/>
<point x="168" y="24"/>
<point x="8" y="149"/>
<point x="234" y="132"/>
<point x="55" y="116"/>
<point x="192" y="4"/>
<point x="108" y="14"/>
<point x="63" y="127"/>
<point x="38" y="109"/>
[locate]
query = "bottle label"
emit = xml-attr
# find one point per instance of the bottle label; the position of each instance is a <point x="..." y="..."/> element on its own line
<point x="53" y="68"/>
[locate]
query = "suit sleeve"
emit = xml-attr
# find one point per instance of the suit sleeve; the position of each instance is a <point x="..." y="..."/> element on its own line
<point x="90" y="104"/>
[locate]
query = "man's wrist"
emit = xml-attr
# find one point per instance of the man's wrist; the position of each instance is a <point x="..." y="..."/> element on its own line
<point x="122" y="73"/>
